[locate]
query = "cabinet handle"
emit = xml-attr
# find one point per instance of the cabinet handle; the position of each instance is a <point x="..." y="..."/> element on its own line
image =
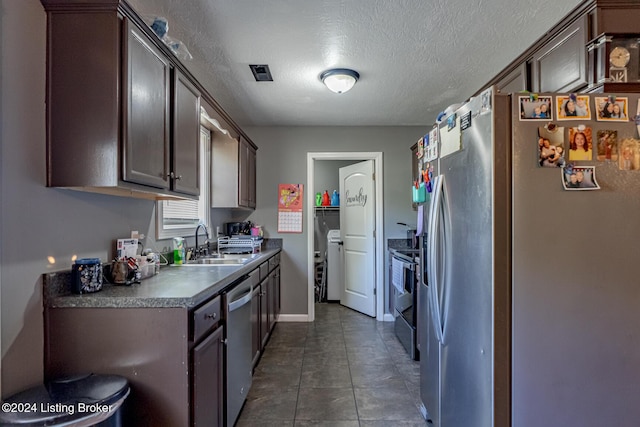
<point x="223" y="341"/>
<point x="211" y="316"/>
<point x="170" y="175"/>
<point x="179" y="177"/>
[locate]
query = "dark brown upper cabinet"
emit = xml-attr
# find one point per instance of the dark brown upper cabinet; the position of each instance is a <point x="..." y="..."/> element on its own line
<point x="122" y="118"/>
<point x="561" y="66"/>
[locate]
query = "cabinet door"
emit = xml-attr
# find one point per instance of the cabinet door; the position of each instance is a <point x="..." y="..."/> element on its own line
<point x="247" y="174"/>
<point x="272" y="299"/>
<point x="146" y="111"/>
<point x="251" y="187"/>
<point x="515" y="81"/>
<point x="256" y="339"/>
<point x="208" y="381"/>
<point x="561" y="65"/>
<point x="186" y="136"/>
<point x="264" y="312"/>
<point x="277" y="291"/>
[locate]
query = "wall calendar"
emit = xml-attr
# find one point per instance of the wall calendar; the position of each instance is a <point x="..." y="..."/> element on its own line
<point x="290" y="199"/>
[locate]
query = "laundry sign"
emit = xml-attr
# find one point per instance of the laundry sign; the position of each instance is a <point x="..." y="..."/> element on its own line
<point x="358" y="199"/>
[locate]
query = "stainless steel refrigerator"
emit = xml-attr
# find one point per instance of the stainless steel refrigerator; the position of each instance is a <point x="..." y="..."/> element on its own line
<point x="529" y="302"/>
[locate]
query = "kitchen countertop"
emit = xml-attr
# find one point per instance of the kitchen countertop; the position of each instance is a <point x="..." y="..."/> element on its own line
<point x="175" y="286"/>
<point x="399" y="247"/>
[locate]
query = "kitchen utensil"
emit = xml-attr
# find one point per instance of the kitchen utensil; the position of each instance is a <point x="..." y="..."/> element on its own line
<point x="123" y="271"/>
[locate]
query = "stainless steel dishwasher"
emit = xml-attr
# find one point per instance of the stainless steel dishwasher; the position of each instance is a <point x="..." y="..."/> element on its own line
<point x="237" y="310"/>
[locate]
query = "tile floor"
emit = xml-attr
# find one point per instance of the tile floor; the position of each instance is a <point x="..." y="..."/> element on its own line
<point x="343" y="370"/>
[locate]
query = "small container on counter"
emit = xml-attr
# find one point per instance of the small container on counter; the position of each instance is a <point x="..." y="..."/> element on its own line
<point x="86" y="275"/>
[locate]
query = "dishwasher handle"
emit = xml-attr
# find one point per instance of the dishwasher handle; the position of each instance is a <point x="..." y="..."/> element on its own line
<point x="239" y="302"/>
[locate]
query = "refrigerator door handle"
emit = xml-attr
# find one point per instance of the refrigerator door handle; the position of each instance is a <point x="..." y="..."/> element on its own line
<point x="436" y="257"/>
<point x="444" y="224"/>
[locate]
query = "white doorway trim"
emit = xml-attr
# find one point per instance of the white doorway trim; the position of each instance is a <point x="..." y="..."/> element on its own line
<point x="379" y="245"/>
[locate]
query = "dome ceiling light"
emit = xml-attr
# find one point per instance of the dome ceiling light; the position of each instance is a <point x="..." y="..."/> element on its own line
<point x="339" y="80"/>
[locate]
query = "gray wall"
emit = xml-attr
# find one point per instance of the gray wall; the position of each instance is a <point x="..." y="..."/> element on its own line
<point x="326" y="174"/>
<point x="282" y="158"/>
<point x="39" y="223"/>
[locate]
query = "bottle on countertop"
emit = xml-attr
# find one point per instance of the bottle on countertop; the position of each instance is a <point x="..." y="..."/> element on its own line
<point x="178" y="250"/>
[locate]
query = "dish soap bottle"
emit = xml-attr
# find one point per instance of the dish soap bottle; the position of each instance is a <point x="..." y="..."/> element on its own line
<point x="178" y="250"/>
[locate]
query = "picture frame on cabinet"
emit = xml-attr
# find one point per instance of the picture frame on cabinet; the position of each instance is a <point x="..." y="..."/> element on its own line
<point x="612" y="108"/>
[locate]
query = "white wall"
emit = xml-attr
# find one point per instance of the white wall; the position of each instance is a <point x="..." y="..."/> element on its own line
<point x="282" y="158"/>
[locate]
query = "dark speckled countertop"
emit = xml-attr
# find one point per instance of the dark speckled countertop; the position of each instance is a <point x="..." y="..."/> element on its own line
<point x="175" y="286"/>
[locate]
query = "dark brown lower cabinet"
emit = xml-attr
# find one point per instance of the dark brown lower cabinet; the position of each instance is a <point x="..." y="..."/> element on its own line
<point x="256" y="341"/>
<point x="208" y="391"/>
<point x="264" y="312"/>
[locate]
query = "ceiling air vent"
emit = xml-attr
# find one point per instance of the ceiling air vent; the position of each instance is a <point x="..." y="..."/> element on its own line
<point x="261" y="73"/>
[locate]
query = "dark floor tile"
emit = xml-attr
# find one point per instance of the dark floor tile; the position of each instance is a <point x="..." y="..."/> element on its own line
<point x="335" y="423"/>
<point x="392" y="403"/>
<point x="327" y="404"/>
<point x="329" y="372"/>
<point x="325" y="342"/>
<point x="268" y="377"/>
<point x="369" y="376"/>
<point x="264" y="423"/>
<point x="290" y="356"/>
<point x="368" y="356"/>
<point x="265" y="405"/>
<point x="330" y="357"/>
<point x="395" y="423"/>
<point x="320" y="376"/>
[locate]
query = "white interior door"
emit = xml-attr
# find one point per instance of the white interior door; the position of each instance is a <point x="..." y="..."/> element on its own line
<point x="357" y="231"/>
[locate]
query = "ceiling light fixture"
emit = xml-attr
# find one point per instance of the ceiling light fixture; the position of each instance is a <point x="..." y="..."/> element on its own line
<point x="339" y="80"/>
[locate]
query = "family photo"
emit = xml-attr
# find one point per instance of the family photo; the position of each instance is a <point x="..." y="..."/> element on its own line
<point x="580" y="178"/>
<point x="573" y="107"/>
<point x="551" y="147"/>
<point x="535" y="109"/>
<point x="612" y="108"/>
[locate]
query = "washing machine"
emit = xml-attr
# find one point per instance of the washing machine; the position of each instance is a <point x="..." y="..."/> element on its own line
<point x="335" y="266"/>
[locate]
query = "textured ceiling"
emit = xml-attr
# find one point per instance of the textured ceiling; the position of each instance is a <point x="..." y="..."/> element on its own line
<point x="415" y="57"/>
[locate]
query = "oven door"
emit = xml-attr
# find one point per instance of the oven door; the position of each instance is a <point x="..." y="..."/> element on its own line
<point x="405" y="299"/>
<point x="405" y="306"/>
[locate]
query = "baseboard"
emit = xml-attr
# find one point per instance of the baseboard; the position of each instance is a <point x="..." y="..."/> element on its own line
<point x="293" y="318"/>
<point x="388" y="317"/>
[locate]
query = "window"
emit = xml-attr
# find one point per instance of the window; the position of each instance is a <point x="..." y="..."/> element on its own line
<point x="177" y="218"/>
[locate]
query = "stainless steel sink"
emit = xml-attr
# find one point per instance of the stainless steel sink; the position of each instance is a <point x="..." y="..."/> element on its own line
<point x="222" y="259"/>
<point x="219" y="261"/>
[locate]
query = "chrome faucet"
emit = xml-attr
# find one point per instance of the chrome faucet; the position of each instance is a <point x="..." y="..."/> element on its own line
<point x="206" y="232"/>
